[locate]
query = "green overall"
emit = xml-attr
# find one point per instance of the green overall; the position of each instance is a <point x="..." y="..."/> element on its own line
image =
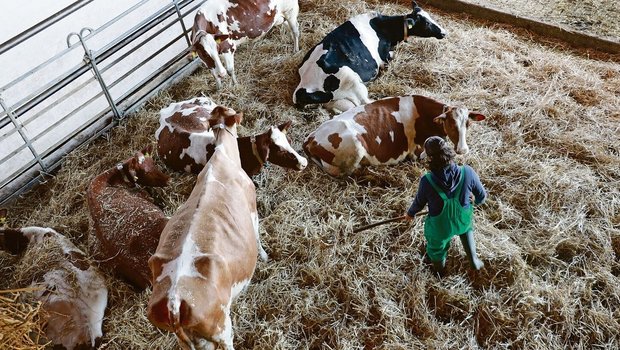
<point x="453" y="220"/>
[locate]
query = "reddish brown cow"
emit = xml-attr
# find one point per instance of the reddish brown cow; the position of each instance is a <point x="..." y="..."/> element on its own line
<point x="127" y="223"/>
<point x="386" y="132"/>
<point x="72" y="292"/>
<point x="221" y="25"/>
<point x="185" y="142"/>
<point x="207" y="252"/>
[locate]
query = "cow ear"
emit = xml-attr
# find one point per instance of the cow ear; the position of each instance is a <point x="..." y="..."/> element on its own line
<point x="233" y="119"/>
<point x="146" y="151"/>
<point x="414" y="5"/>
<point x="410" y="23"/>
<point x="262" y="145"/>
<point x="440" y="119"/>
<point x="284" y="126"/>
<point x="221" y="37"/>
<point x="476" y="116"/>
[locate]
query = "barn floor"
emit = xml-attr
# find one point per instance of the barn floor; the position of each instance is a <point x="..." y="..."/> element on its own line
<point x="548" y="154"/>
<point x="593" y="17"/>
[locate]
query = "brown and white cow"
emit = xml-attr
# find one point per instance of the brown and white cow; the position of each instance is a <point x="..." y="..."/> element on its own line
<point x="126" y="222"/>
<point x="185" y="142"/>
<point x="72" y="292"/>
<point x="207" y="252"/>
<point x="221" y="25"/>
<point x="386" y="132"/>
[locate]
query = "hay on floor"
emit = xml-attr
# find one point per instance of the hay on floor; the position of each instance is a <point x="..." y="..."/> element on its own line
<point x="548" y="154"/>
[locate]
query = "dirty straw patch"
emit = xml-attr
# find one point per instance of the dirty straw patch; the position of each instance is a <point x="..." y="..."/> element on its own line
<point x="549" y="233"/>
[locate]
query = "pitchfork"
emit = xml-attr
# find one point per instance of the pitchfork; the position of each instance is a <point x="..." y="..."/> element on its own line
<point x="398" y="218"/>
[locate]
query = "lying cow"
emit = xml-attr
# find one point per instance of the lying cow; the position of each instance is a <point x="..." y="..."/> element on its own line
<point x="207" y="253"/>
<point x="126" y="222"/>
<point x="72" y="292"/>
<point x="337" y="68"/>
<point x="386" y="132"/>
<point x="221" y="25"/>
<point x="185" y="142"/>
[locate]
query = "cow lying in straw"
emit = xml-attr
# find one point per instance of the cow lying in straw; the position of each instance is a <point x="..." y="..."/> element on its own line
<point x="72" y="292"/>
<point x="185" y="142"/>
<point x="126" y="222"/>
<point x="207" y="252"/>
<point x="351" y="55"/>
<point x="386" y="132"/>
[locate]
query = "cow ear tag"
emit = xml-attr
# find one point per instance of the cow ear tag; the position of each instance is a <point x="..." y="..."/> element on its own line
<point x="193" y="55"/>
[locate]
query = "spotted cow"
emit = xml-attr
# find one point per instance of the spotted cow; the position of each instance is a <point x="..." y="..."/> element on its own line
<point x="386" y="132"/>
<point x="221" y="25"/>
<point x="126" y="222"/>
<point x="72" y="292"/>
<point x="337" y="68"/>
<point x="185" y="142"/>
<point x="207" y="252"/>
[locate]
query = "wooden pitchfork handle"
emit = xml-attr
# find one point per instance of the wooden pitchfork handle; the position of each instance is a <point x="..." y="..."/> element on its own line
<point x="398" y="218"/>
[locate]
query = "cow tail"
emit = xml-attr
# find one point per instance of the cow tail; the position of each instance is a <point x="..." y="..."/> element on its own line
<point x="175" y="317"/>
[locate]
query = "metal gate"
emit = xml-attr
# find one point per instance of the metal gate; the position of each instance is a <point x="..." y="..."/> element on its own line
<point x="34" y="138"/>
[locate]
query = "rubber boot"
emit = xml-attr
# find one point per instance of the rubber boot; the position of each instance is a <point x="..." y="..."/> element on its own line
<point x="439" y="267"/>
<point x="469" y="245"/>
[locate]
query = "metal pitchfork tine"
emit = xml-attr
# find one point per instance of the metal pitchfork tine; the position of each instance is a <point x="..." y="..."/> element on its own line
<point x="398" y="218"/>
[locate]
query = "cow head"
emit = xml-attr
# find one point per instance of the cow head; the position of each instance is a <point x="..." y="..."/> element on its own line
<point x="141" y="169"/>
<point x="225" y="118"/>
<point x="208" y="47"/>
<point x="419" y="23"/>
<point x="13" y="241"/>
<point x="279" y="150"/>
<point x="455" y="121"/>
<point x="16" y="240"/>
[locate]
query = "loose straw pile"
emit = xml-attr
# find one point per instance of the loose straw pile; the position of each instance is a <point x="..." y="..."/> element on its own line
<point x="20" y="322"/>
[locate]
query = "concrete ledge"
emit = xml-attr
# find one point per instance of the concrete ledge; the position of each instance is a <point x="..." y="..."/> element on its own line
<point x="573" y="38"/>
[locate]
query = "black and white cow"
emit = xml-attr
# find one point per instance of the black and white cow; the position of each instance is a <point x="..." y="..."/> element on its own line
<point x="351" y="55"/>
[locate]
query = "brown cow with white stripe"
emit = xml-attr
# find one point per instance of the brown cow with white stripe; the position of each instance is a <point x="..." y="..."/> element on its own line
<point x="221" y="25"/>
<point x="185" y="142"/>
<point x="386" y="132"/>
<point x="207" y="252"/>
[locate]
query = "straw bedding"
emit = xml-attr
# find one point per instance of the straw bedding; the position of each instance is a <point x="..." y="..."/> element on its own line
<point x="549" y="234"/>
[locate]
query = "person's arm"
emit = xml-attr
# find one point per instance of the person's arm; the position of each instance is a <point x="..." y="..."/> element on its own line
<point x="477" y="189"/>
<point x="419" y="201"/>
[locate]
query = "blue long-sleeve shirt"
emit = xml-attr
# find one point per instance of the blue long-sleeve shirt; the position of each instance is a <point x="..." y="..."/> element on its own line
<point x="447" y="179"/>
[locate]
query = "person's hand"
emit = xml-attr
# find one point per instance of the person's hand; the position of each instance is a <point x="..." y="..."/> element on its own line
<point x="406" y="217"/>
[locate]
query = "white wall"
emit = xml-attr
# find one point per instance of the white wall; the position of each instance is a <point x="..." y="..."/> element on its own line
<point x="47" y="123"/>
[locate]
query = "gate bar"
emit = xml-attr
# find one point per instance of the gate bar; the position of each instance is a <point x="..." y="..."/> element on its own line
<point x="21" y="132"/>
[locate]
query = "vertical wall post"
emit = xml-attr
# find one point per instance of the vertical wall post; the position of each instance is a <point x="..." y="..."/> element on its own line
<point x="89" y="58"/>
<point x="187" y="38"/>
<point x="20" y="130"/>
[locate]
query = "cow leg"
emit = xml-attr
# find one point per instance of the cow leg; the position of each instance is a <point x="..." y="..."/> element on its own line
<point x="291" y="20"/>
<point x="203" y="344"/>
<point x="218" y="80"/>
<point x="330" y="169"/>
<point x="261" y="251"/>
<point x="229" y="64"/>
<point x="339" y="106"/>
<point x="225" y="338"/>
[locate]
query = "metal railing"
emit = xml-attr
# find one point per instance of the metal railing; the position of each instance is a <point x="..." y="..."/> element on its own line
<point x="14" y="116"/>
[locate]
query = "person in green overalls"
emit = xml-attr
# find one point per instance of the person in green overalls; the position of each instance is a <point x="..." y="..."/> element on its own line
<point x="447" y="189"/>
